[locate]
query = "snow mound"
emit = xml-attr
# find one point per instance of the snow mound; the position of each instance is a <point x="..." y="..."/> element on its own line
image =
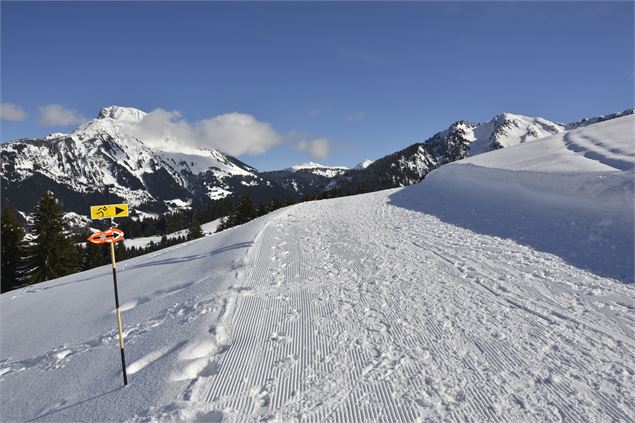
<point x="570" y="194"/>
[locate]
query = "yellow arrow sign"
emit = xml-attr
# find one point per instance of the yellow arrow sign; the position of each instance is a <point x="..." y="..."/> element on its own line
<point x="107" y="211"/>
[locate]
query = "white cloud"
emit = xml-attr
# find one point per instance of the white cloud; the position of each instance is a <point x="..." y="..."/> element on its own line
<point x="58" y="115"/>
<point x="356" y="117"/>
<point x="313" y="112"/>
<point x="232" y="133"/>
<point x="10" y="111"/>
<point x="317" y="149"/>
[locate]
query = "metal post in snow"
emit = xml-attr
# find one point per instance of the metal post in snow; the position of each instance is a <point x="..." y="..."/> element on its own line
<point x="119" y="325"/>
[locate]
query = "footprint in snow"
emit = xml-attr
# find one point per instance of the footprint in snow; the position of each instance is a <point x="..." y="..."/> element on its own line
<point x="199" y="357"/>
<point x="280" y="337"/>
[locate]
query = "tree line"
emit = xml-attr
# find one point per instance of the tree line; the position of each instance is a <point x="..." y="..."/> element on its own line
<point x="51" y="250"/>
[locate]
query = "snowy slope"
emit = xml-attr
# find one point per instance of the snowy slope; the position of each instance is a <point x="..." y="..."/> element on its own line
<point x="169" y="299"/>
<point x="570" y="195"/>
<point x="500" y="299"/>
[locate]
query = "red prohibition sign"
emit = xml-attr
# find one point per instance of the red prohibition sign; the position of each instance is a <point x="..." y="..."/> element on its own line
<point x="109" y="236"/>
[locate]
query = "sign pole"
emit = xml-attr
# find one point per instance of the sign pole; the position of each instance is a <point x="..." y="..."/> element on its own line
<point x="111" y="236"/>
<point x="119" y="325"/>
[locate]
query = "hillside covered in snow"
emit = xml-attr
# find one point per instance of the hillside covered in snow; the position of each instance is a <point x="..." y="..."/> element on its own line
<point x="499" y="288"/>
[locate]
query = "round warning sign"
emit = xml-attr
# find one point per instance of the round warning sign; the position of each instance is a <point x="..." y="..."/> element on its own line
<point x="109" y="236"/>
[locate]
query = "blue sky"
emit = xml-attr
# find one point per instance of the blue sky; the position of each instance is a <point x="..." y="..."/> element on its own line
<point x="366" y="79"/>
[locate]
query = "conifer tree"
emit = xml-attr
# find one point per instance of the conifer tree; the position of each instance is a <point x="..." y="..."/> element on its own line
<point x="94" y="256"/>
<point x="121" y="252"/>
<point x="241" y="213"/>
<point x="276" y="203"/>
<point x="11" y="255"/>
<point x="195" y="228"/>
<point x="51" y="253"/>
<point x="245" y="210"/>
<point x="262" y="210"/>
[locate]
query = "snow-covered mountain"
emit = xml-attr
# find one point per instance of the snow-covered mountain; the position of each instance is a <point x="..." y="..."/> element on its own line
<point x="318" y="169"/>
<point x="466" y="138"/>
<point x="108" y="151"/>
<point x="305" y="178"/>
<point x="313" y="165"/>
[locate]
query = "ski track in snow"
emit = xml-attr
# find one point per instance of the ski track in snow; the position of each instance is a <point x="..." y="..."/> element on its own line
<point x="415" y="320"/>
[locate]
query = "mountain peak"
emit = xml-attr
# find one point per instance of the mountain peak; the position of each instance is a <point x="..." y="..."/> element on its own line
<point x="506" y="117"/>
<point x="129" y="114"/>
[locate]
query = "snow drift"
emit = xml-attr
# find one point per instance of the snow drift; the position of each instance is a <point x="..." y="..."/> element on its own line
<point x="570" y="194"/>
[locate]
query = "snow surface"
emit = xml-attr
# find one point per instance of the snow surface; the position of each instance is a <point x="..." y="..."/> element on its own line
<point x="496" y="289"/>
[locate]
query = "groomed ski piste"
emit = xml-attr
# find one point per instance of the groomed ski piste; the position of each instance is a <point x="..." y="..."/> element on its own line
<point x="498" y="289"/>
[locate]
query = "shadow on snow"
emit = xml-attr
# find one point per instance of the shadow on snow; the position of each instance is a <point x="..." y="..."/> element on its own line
<point x="603" y="245"/>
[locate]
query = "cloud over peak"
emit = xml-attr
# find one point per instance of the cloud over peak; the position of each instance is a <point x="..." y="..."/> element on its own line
<point x="318" y="148"/>
<point x="232" y="133"/>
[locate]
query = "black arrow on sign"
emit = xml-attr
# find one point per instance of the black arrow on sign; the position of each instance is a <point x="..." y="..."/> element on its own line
<point x="119" y="210"/>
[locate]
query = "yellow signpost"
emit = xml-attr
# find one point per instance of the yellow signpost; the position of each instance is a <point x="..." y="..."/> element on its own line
<point x="108" y="211"/>
<point x="111" y="236"/>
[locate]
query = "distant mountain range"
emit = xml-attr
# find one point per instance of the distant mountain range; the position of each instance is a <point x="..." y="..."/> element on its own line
<point x="104" y="151"/>
<point x="410" y="165"/>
